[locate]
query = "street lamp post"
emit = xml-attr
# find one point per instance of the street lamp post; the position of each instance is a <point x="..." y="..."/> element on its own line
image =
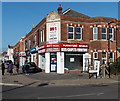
<point x="109" y="47"/>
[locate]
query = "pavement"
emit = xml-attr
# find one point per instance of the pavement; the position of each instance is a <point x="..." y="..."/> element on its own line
<point x="53" y="79"/>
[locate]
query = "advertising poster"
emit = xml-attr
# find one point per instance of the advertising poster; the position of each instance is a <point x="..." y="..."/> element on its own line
<point x="53" y="33"/>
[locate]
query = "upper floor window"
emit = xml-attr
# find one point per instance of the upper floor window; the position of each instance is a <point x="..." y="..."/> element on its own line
<point x="111" y="34"/>
<point x="70" y="32"/>
<point x="79" y="33"/>
<point x="104" y="33"/>
<point x="29" y="43"/>
<point x="41" y="35"/>
<point x="95" y="33"/>
<point x="34" y="40"/>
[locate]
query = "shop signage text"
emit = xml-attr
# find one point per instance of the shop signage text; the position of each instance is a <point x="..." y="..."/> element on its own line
<point x="63" y="48"/>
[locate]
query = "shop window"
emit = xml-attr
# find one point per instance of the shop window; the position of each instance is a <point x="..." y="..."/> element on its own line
<point x="103" y="57"/>
<point x="70" y="32"/>
<point x="95" y="55"/>
<point x="104" y="33"/>
<point x="95" y="33"/>
<point x="111" y="34"/>
<point x="79" y="33"/>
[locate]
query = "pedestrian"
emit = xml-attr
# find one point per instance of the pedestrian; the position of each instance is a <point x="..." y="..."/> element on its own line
<point x="10" y="67"/>
<point x="3" y="68"/>
<point x="17" y="68"/>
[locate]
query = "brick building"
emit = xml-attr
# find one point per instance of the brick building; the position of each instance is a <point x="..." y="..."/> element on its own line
<point x="70" y="41"/>
<point x="19" y="52"/>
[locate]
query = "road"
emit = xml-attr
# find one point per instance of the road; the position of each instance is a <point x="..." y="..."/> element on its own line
<point x="61" y="92"/>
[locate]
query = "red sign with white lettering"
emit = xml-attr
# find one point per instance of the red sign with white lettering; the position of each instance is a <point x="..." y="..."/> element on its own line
<point x="63" y="48"/>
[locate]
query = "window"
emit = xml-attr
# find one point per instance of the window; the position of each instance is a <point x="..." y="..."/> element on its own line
<point x="95" y="55"/>
<point x="104" y="33"/>
<point x="70" y="32"/>
<point x="111" y="34"/>
<point x="34" y="40"/>
<point x="79" y="33"/>
<point x="41" y="35"/>
<point x="103" y="57"/>
<point x="95" y="33"/>
<point x="111" y="57"/>
<point x="29" y="44"/>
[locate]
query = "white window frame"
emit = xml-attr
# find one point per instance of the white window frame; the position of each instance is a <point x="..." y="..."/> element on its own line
<point x="95" y="33"/>
<point x="104" y="33"/>
<point x="79" y="33"/>
<point x="111" y="34"/>
<point x="112" y="57"/>
<point x="105" y="58"/>
<point x="94" y="55"/>
<point x="41" y="36"/>
<point x="35" y="40"/>
<point x="71" y="32"/>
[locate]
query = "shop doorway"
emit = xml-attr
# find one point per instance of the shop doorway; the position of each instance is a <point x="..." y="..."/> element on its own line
<point x="53" y="62"/>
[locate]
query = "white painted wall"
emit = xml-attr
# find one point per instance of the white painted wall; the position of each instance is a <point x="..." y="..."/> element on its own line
<point x="10" y="54"/>
<point x="33" y="58"/>
<point x="60" y="62"/>
<point x="47" y="62"/>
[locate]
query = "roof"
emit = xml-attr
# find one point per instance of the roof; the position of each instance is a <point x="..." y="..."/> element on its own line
<point x="72" y="13"/>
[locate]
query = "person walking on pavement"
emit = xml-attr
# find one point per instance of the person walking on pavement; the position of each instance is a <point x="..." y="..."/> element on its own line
<point x="3" y="68"/>
<point x="10" y="67"/>
<point x="17" y="68"/>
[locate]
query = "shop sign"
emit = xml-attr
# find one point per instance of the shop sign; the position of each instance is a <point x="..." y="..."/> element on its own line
<point x="27" y="53"/>
<point x="33" y="50"/>
<point x="52" y="45"/>
<point x="63" y="45"/>
<point x="41" y="47"/>
<point x="75" y="45"/>
<point x="52" y="49"/>
<point x="22" y="54"/>
<point x="73" y="49"/>
<point x="41" y="51"/>
<point x="53" y="33"/>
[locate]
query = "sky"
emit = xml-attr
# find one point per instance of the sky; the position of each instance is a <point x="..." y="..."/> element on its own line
<point x="18" y="17"/>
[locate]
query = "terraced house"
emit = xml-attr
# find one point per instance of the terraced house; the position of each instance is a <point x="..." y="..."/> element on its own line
<point x="70" y="40"/>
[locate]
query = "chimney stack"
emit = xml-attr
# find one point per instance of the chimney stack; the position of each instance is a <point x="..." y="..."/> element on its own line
<point x="59" y="9"/>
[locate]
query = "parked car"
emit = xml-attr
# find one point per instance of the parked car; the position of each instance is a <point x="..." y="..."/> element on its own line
<point x="30" y="67"/>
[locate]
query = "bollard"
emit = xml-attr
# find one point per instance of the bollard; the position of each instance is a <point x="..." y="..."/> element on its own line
<point x="103" y="71"/>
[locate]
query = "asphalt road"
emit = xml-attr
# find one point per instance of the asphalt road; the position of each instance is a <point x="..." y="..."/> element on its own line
<point x="61" y="92"/>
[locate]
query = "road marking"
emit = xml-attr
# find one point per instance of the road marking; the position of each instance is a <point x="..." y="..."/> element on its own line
<point x="71" y="96"/>
<point x="9" y="84"/>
